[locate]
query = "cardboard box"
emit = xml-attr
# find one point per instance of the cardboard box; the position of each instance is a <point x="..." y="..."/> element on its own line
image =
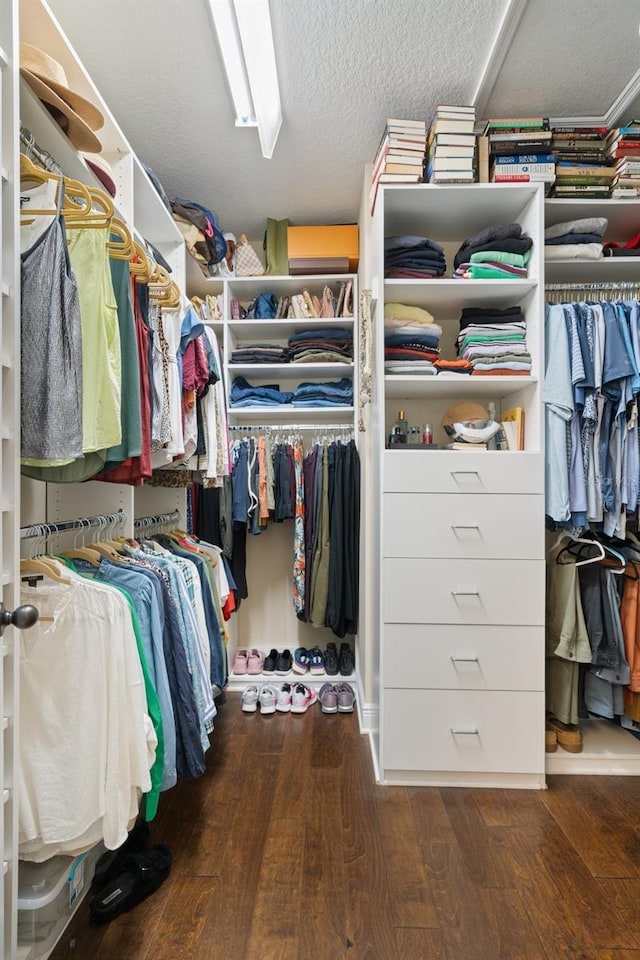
<point x="336" y="240"/>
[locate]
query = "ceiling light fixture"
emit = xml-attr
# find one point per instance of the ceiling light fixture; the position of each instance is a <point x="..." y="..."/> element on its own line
<point x="243" y="28"/>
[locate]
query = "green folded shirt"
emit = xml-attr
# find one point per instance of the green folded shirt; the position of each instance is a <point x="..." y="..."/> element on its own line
<point x="501" y="256"/>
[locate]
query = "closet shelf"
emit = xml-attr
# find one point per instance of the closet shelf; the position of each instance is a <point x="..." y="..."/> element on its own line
<point x="286" y="411"/>
<point x="623" y="215"/>
<point x="242" y="681"/>
<point x="453" y="295"/>
<point x="433" y="387"/>
<point x="290" y="371"/>
<point x="282" y="329"/>
<point x="605" y="746"/>
<point x="609" y="269"/>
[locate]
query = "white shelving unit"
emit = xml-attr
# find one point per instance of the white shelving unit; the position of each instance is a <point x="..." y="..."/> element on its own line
<point x="9" y="420"/>
<point x="461" y="591"/>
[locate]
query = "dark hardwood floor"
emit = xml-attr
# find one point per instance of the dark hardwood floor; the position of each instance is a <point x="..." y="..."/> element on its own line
<point x="287" y="850"/>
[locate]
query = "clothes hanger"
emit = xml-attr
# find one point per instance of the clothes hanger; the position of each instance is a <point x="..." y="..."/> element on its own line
<point x="82" y="553"/>
<point x="41" y="566"/>
<point x="73" y="191"/>
<point x="580" y="543"/>
<point x="122" y="248"/>
<point x="140" y="266"/>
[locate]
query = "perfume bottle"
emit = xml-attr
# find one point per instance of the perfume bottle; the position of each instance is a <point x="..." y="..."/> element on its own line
<point x="402" y="423"/>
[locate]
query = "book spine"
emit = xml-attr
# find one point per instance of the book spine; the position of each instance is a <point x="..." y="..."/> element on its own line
<point x="508" y="149"/>
<point x="544" y="169"/>
<point x="520" y="177"/>
<point x="518" y="158"/>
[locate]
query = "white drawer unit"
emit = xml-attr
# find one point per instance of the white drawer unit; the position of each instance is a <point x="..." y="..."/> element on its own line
<point x="447" y="471"/>
<point x="463" y="591"/>
<point x="463" y="730"/>
<point x="493" y="526"/>
<point x="451" y="657"/>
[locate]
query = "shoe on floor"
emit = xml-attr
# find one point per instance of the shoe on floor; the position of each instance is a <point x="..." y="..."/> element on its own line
<point x="550" y="739"/>
<point x="283" y="698"/>
<point x="267" y="698"/>
<point x="328" y="698"/>
<point x="303" y="697"/>
<point x="568" y="735"/>
<point x="110" y="864"/>
<point x="141" y="874"/>
<point x="283" y="663"/>
<point x="316" y="662"/>
<point x="240" y="662"/>
<point x="269" y="665"/>
<point x="346" y="660"/>
<point x="250" y="699"/>
<point x="346" y="697"/>
<point x="255" y="662"/>
<point x="301" y="660"/>
<point x="331" y="660"/>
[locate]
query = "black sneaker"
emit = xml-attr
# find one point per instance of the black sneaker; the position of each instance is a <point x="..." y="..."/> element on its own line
<point x="331" y="660"/>
<point x="284" y="663"/>
<point x="270" y="661"/>
<point x="346" y="661"/>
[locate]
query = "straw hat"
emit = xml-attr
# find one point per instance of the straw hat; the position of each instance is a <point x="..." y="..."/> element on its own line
<point x="76" y="115"/>
<point x="463" y="412"/>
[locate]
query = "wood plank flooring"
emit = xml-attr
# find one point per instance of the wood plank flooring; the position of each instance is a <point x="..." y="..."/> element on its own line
<point x="287" y="850"/>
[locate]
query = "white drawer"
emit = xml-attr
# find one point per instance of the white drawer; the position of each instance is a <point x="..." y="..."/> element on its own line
<point x="463" y="658"/>
<point x="463" y="591"/>
<point x="450" y="525"/>
<point x="463" y="730"/>
<point x="455" y="471"/>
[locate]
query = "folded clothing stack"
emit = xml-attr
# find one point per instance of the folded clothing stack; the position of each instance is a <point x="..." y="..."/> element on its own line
<point x="243" y="394"/>
<point x="575" y="239"/>
<point x="497" y="253"/>
<point x="411" y="339"/>
<point x="335" y="393"/>
<point x="324" y="345"/>
<point x="259" y="353"/>
<point x="494" y="341"/>
<point x="410" y="256"/>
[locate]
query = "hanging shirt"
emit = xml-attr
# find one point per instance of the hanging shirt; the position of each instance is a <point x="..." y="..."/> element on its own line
<point x="559" y="407"/>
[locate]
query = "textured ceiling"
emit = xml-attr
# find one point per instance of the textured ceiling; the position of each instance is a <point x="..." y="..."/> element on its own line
<point x="344" y="66"/>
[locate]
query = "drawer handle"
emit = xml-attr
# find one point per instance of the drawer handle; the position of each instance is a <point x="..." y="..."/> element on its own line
<point x="465" y="526"/>
<point x="465" y="593"/>
<point x="465" y="660"/>
<point x="465" y="473"/>
<point x="465" y="733"/>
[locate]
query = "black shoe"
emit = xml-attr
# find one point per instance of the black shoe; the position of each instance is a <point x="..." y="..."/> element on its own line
<point x="141" y="874"/>
<point x="284" y="663"/>
<point x="270" y="661"/>
<point x="109" y="865"/>
<point x="346" y="661"/>
<point x="331" y="660"/>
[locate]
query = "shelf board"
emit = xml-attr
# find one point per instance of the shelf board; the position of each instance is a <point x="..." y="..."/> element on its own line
<point x="430" y="387"/>
<point x="151" y="217"/>
<point x="607" y="748"/>
<point x="283" y="329"/>
<point x="242" y="681"/>
<point x="287" y="411"/>
<point x="290" y="371"/>
<point x="452" y="211"/>
<point x="452" y="295"/>
<point x="623" y="215"/>
<point x="609" y="269"/>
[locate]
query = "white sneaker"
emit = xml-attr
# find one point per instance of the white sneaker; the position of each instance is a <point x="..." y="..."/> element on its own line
<point x="283" y="698"/>
<point x="250" y="699"/>
<point x="267" y="697"/>
<point x="303" y="697"/>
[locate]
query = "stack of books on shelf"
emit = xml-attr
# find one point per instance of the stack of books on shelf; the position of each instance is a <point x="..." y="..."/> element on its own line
<point x="623" y="146"/>
<point x="401" y="155"/>
<point x="519" y="151"/>
<point x="452" y="146"/>
<point x="583" y="164"/>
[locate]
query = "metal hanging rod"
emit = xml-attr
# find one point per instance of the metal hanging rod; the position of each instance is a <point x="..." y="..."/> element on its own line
<point x="37" y="154"/>
<point x="157" y="519"/>
<point x="80" y="523"/>
<point x="279" y="427"/>
<point x="593" y="287"/>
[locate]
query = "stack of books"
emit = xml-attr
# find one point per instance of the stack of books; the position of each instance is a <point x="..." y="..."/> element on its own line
<point x="401" y="155"/>
<point x="623" y="146"/>
<point x="583" y="164"/>
<point x="519" y="150"/>
<point x="451" y="154"/>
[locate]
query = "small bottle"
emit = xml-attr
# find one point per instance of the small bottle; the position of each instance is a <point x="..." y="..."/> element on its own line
<point x="402" y="424"/>
<point x="427" y="433"/>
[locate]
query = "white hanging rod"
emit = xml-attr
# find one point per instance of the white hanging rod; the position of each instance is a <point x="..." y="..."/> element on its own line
<point x="157" y="519"/>
<point x="80" y="523"/>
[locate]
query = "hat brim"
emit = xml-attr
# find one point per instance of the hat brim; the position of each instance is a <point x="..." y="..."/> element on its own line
<point x="99" y="167"/>
<point x="77" y="130"/>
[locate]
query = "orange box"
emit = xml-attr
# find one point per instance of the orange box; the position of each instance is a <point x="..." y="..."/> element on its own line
<point x="336" y="240"/>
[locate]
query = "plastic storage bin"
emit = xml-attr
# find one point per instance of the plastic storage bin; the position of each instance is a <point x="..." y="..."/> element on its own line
<point x="48" y="895"/>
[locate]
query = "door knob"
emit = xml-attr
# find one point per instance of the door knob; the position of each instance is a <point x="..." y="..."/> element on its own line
<point x="22" y="617"/>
